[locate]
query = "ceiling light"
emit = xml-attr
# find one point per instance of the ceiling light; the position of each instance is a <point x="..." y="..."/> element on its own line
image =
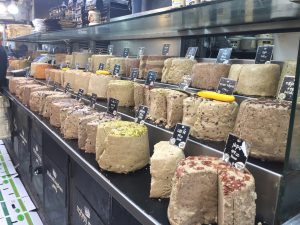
<point x="2" y="8"/>
<point x="12" y="8"/>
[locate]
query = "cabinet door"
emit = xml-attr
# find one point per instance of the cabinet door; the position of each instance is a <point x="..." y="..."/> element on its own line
<point x="81" y="212"/>
<point x="37" y="169"/>
<point x="96" y="196"/>
<point x="55" y="153"/>
<point x="24" y="155"/>
<point x="36" y="132"/>
<point x="55" y="193"/>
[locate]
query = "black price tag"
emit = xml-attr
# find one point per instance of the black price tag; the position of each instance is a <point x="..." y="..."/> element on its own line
<point x="112" y="106"/>
<point x="101" y="66"/>
<point x="116" y="70"/>
<point x="93" y="100"/>
<point x="236" y="152"/>
<point x="110" y="49"/>
<point x="226" y="86"/>
<point x="79" y="94"/>
<point x="134" y="73"/>
<point x="180" y="135"/>
<point x="287" y="88"/>
<point x="191" y="52"/>
<point x="224" y="55"/>
<point x="165" y="49"/>
<point x="264" y="54"/>
<point x="151" y="77"/>
<point x="68" y="88"/>
<point x="55" y="87"/>
<point x="126" y="52"/>
<point x="141" y="114"/>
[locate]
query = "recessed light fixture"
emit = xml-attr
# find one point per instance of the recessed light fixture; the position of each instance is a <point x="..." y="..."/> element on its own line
<point x="13" y="8"/>
<point x="3" y="8"/>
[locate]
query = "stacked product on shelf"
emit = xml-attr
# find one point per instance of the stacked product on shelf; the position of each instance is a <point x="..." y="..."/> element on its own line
<point x="264" y="124"/>
<point x="151" y="63"/>
<point x="175" y="69"/>
<point x="207" y="75"/>
<point x="214" y="202"/>
<point x="163" y="164"/>
<point x="97" y="59"/>
<point x="256" y="79"/>
<point x="111" y="62"/>
<point x="99" y="84"/>
<point x="111" y="136"/>
<point x="121" y="90"/>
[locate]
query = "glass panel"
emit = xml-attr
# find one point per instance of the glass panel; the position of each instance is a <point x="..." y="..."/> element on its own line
<point x="289" y="194"/>
<point x="181" y="22"/>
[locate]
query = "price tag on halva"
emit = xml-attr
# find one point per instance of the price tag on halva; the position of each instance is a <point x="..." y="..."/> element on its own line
<point x="151" y="77"/>
<point x="110" y="49"/>
<point x="101" y="66"/>
<point x="224" y="55"/>
<point x="264" y="54"/>
<point x="93" y="100"/>
<point x="166" y="49"/>
<point x="226" y="86"/>
<point x="116" y="70"/>
<point x="79" y="94"/>
<point x="134" y="73"/>
<point x="68" y="88"/>
<point x="141" y="52"/>
<point x="191" y="52"/>
<point x="180" y="135"/>
<point x="287" y="88"/>
<point x="55" y="87"/>
<point x="141" y="114"/>
<point x="112" y="106"/>
<point x="236" y="152"/>
<point x="126" y="52"/>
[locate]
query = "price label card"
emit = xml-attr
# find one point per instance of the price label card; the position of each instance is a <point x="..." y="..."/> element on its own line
<point x="191" y="52"/>
<point x="112" y="106"/>
<point x="116" y="70"/>
<point x="264" y="54"/>
<point x="151" y="77"/>
<point x="287" y="88"/>
<point x="55" y="87"/>
<point x="79" y="94"/>
<point x="126" y="52"/>
<point x="180" y="135"/>
<point x="226" y="86"/>
<point x="141" y="52"/>
<point x="134" y="73"/>
<point x="141" y="114"/>
<point x="93" y="100"/>
<point x="110" y="49"/>
<point x="68" y="88"/>
<point x="224" y="55"/>
<point x="101" y="66"/>
<point x="236" y="152"/>
<point x="166" y="49"/>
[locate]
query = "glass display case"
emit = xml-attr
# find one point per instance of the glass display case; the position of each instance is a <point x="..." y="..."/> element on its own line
<point x="276" y="182"/>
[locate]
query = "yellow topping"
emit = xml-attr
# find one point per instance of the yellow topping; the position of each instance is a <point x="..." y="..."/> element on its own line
<point x="65" y="69"/>
<point x="216" y="96"/>
<point x="102" y="72"/>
